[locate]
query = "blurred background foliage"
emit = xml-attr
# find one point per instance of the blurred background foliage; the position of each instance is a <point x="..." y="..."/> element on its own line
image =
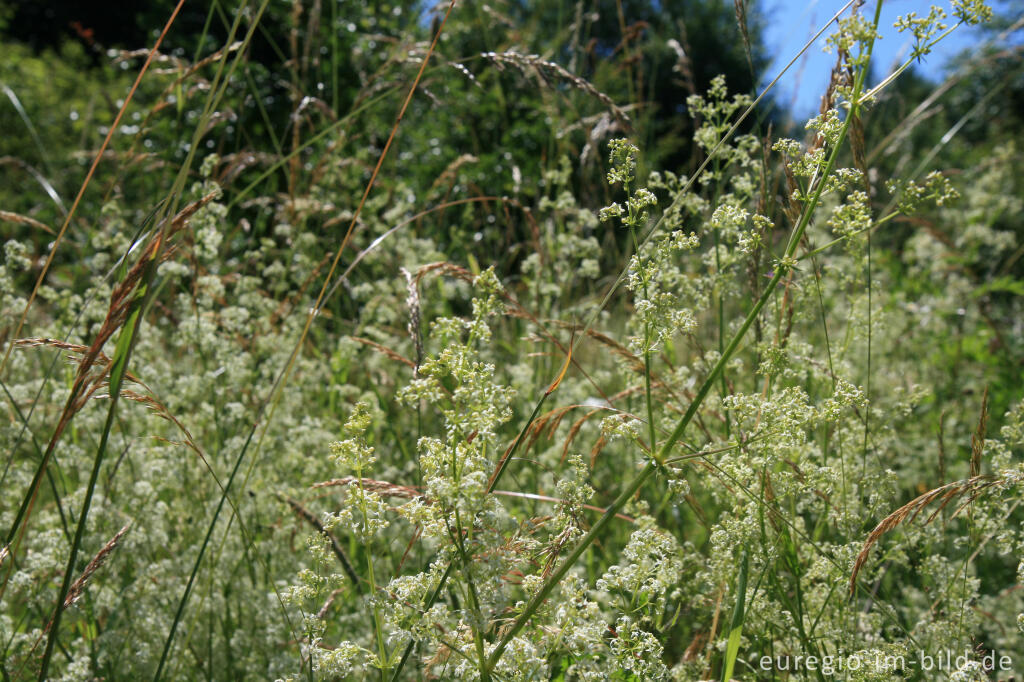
<point x="315" y="96"/>
<point x="336" y="65"/>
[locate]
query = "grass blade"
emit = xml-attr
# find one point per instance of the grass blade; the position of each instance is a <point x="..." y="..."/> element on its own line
<point x="122" y="354"/>
<point x="736" y="626"/>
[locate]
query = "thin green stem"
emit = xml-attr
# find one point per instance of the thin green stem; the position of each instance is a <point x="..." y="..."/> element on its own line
<point x="904" y="66"/>
<point x="556" y="576"/>
<point x="378" y="628"/>
<point x="878" y="223"/>
<point x="647" y="345"/>
<point x="125" y="344"/>
<point x="652" y="465"/>
<point x="218" y="87"/>
<point x="474" y="601"/>
<point x="431" y="600"/>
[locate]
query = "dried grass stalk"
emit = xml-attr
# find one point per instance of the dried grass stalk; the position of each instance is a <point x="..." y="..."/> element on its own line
<point x="978" y="437"/>
<point x="380" y="487"/>
<point x="546" y="71"/>
<point x="549" y="420"/>
<point x="149" y="401"/>
<point x="968" y="490"/>
<point x="312" y="520"/>
<point x="413" y="301"/>
<point x="444" y="268"/>
<point x="574" y="431"/>
<point x="78" y="587"/>
<point x="322" y="613"/>
<point x="92" y="380"/>
<point x="596" y="450"/>
<point x="384" y="351"/>
<point x="25" y="220"/>
<point x="450" y="173"/>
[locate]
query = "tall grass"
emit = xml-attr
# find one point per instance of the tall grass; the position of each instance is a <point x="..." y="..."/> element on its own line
<point x="551" y="413"/>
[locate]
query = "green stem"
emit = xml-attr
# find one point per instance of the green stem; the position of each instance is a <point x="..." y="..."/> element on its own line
<point x="652" y="465"/>
<point x="474" y="601"/>
<point x="871" y="227"/>
<point x="429" y="603"/>
<point x="563" y="568"/>
<point x="435" y="595"/>
<point x="382" y="651"/>
<point x="647" y="348"/>
<point x="906" y="65"/>
<point x="122" y="355"/>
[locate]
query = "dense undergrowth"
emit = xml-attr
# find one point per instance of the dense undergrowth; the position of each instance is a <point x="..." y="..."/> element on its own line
<point x="380" y="347"/>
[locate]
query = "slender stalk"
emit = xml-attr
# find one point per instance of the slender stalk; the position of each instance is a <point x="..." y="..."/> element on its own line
<point x="20" y="524"/>
<point x="88" y="177"/>
<point x="652" y="465"/>
<point x="647" y="332"/>
<point x="474" y="601"/>
<point x="378" y="628"/>
<point x="125" y="344"/>
<point x="736" y="626"/>
<point x="220" y="83"/>
<point x="495" y="477"/>
<point x="431" y="600"/>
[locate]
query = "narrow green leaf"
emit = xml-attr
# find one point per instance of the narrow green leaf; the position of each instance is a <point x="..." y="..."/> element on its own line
<point x="121" y="356"/>
<point x="124" y="343"/>
<point x="736" y="627"/>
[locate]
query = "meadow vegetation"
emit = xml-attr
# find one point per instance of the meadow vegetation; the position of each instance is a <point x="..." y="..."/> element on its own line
<point x="508" y="341"/>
